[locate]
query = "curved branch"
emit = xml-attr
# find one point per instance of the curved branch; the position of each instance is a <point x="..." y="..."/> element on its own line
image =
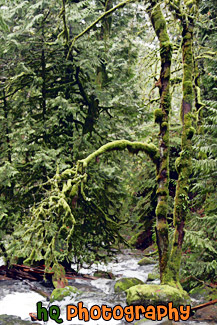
<point x="150" y="149"/>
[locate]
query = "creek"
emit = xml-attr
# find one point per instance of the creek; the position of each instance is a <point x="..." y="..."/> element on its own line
<point x="17" y="300"/>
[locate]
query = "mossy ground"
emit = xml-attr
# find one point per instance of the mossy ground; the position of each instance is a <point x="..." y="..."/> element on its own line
<point x="156" y="295"/>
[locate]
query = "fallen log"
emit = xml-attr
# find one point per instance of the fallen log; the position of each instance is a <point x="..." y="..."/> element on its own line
<point x="39" y="291"/>
<point x="211" y="302"/>
<point x="24" y="272"/>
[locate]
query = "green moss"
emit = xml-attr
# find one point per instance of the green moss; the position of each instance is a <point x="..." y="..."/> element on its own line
<point x="150" y="149"/>
<point x="178" y="164"/>
<point x="126" y="283"/>
<point x="146" y="261"/>
<point x="142" y="321"/>
<point x="164" y="125"/>
<point x="181" y="163"/>
<point x="161" y="210"/>
<point x="166" y="101"/>
<point x="190" y="132"/>
<point x="163" y="191"/>
<point x="162" y="228"/>
<point x="166" y="138"/>
<point x="159" y="24"/>
<point x="150" y="294"/>
<point x="153" y="276"/>
<point x="104" y="274"/>
<point x="167" y="50"/>
<point x="60" y="293"/>
<point x="158" y="115"/>
<point x="188" y="119"/>
<point x="170" y="275"/>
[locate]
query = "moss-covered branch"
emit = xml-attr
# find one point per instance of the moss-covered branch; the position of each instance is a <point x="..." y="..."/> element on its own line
<point x="150" y="149"/>
<point x="65" y="32"/>
<point x="48" y="232"/>
<point x="105" y="14"/>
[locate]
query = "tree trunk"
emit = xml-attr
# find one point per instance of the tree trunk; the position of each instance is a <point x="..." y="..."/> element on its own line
<point x="183" y="163"/>
<point x="162" y="118"/>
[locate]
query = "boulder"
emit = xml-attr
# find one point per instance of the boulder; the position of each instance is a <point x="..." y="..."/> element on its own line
<point x="60" y="293"/>
<point x="104" y="274"/>
<point x="153" y="276"/>
<point x="126" y="283"/>
<point x="153" y="294"/>
<point x="146" y="261"/>
<point x="208" y="313"/>
<point x="13" y="320"/>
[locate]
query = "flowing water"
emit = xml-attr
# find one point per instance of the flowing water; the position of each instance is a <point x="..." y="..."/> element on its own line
<point x="17" y="301"/>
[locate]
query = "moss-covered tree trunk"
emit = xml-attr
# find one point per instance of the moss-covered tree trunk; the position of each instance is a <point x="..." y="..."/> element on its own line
<point x="183" y="163"/>
<point x="162" y="118"/>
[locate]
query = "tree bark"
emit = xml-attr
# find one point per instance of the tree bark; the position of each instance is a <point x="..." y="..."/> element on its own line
<point x="162" y="118"/>
<point x="184" y="162"/>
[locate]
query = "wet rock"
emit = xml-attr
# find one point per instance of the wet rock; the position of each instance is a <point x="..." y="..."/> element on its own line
<point x="60" y="293"/>
<point x="208" y="313"/>
<point x="146" y="321"/>
<point x="13" y="320"/>
<point x="153" y="294"/>
<point x="165" y="321"/>
<point x="104" y="274"/>
<point x="141" y="322"/>
<point x="153" y="276"/>
<point x="126" y="283"/>
<point x="146" y="261"/>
